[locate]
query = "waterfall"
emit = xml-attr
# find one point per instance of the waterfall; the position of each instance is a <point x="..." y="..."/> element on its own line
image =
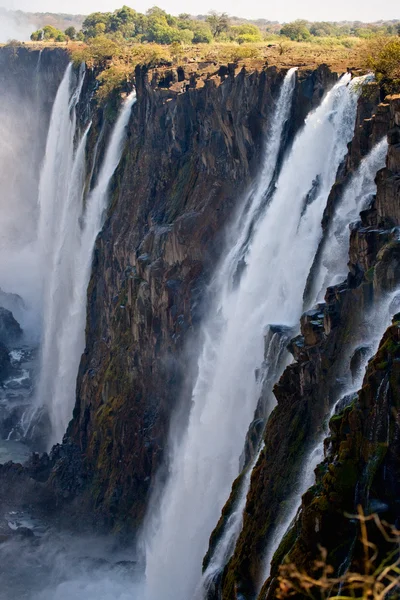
<point x="332" y="270"/>
<point x="377" y="321"/>
<point x="66" y="237"/>
<point x="361" y="188"/>
<point x="277" y="256"/>
<point x="71" y="330"/>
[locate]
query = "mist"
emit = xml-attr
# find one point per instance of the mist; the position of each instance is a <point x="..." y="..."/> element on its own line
<point x="53" y="566"/>
<point x="14" y="26"/>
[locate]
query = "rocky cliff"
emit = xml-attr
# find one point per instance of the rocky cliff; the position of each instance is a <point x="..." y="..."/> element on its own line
<point x="362" y="459"/>
<point x="311" y="385"/>
<point x="189" y="159"/>
<point x="192" y="153"/>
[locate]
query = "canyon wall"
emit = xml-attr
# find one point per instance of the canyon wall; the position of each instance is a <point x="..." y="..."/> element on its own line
<point x="189" y="160"/>
<point x="192" y="154"/>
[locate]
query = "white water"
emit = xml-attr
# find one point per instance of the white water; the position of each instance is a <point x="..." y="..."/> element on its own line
<point x="227" y="543"/>
<point x="71" y="330"/>
<point x="65" y="248"/>
<point x="278" y="260"/>
<point x="359" y="191"/>
<point x="377" y="321"/>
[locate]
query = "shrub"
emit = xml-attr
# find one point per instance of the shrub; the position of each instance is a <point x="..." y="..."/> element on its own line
<point x="384" y="60"/>
<point x="379" y="577"/>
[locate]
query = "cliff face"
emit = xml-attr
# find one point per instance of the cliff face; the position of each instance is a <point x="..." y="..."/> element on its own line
<point x="189" y="159"/>
<point x="310" y="386"/>
<point x="22" y="71"/>
<point x="361" y="465"/>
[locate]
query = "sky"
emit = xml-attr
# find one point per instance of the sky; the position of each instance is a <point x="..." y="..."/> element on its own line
<point x="274" y="10"/>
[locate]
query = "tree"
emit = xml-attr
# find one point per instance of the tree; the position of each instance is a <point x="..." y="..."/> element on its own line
<point x="122" y="18"/>
<point x="37" y="36"/>
<point x="246" y="33"/>
<point x="202" y="32"/>
<point x="218" y="22"/>
<point x="296" y="30"/>
<point x="323" y="29"/>
<point x="70" y="32"/>
<point x="92" y="20"/>
<point x="384" y="59"/>
<point x="48" y="32"/>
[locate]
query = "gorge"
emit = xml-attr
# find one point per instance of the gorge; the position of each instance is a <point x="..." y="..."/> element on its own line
<point x="199" y="328"/>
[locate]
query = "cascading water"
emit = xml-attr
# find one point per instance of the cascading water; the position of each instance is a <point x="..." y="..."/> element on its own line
<point x="65" y="249"/>
<point x="376" y="323"/>
<point x="332" y="269"/>
<point x="60" y="198"/>
<point x="333" y="260"/>
<point x="276" y="355"/>
<point x="277" y="256"/>
<point x="71" y="330"/>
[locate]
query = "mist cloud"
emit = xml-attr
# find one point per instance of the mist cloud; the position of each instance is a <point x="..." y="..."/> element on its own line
<point x="14" y="26"/>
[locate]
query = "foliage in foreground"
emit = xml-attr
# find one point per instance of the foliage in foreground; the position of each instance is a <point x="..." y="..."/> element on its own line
<point x="379" y="579"/>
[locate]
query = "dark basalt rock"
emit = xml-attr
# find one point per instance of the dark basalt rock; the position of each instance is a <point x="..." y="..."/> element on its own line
<point x="189" y="159"/>
<point x="357" y="360"/>
<point x="309" y="387"/>
<point x="5" y="364"/>
<point x="10" y="330"/>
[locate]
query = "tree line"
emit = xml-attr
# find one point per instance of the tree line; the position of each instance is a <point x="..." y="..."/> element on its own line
<point x="156" y="25"/>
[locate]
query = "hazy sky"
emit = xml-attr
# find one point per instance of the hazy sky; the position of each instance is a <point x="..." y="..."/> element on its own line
<point x="280" y="10"/>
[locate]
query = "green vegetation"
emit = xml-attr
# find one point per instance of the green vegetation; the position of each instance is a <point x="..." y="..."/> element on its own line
<point x="159" y="27"/>
<point x="384" y="60"/>
<point x="115" y="42"/>
<point x="48" y="33"/>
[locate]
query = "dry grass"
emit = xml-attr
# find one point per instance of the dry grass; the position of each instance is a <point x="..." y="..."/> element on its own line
<point x="379" y="579"/>
<point x="117" y="62"/>
<point x="338" y="53"/>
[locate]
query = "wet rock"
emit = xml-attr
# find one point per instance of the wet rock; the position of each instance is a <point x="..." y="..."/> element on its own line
<point x="312" y="327"/>
<point x="25" y="532"/>
<point x="358" y="359"/>
<point x="5" y="364"/>
<point x="12" y="302"/>
<point x="10" y="330"/>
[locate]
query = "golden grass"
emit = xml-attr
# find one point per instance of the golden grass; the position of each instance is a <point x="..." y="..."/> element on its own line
<point x="117" y="61"/>
<point x="380" y="577"/>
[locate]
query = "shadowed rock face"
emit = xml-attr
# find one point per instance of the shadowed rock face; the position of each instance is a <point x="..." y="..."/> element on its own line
<point x="188" y="161"/>
<point x="310" y="385"/>
<point x="361" y="466"/>
<point x="5" y="363"/>
<point x="10" y="330"/>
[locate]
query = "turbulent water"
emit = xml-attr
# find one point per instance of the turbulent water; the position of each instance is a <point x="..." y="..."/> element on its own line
<point x="257" y="300"/>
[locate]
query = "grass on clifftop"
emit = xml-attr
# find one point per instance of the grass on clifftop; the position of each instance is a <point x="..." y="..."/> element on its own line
<point x="116" y="61"/>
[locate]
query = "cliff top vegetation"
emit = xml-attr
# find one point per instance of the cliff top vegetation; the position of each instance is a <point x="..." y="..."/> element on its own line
<point x="115" y="42"/>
